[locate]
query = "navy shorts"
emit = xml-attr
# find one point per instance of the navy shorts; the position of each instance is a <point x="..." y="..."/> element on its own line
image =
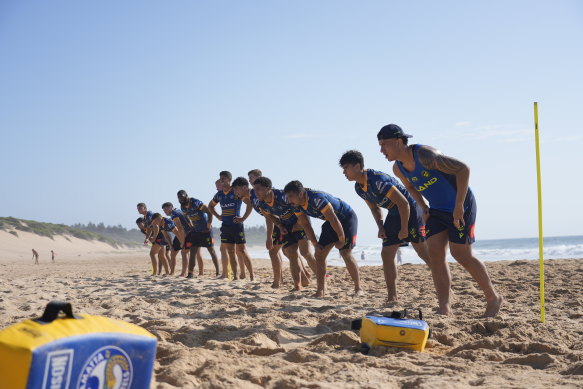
<point x="202" y="239"/>
<point x="350" y="226"/>
<point x="440" y="221"/>
<point x="392" y="227"/>
<point x="293" y="237"/>
<point x="276" y="236"/>
<point x="176" y="246"/>
<point x="160" y="241"/>
<point x="233" y="233"/>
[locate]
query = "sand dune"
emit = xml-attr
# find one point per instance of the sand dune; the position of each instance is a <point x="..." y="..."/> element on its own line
<point x="19" y="247"/>
<point x="216" y="334"/>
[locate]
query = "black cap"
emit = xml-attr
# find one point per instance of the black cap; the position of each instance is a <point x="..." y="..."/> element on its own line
<point x="392" y="131"/>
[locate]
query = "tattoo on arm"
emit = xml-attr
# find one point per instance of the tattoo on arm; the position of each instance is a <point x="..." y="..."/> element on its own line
<point x="434" y="159"/>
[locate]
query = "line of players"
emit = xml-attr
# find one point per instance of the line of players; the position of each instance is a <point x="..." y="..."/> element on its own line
<point x="426" y="175"/>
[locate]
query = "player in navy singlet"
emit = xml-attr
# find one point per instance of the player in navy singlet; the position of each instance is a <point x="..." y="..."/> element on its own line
<point x="232" y="229"/>
<point x="274" y="240"/>
<point x="403" y="223"/>
<point x="276" y="207"/>
<point x="158" y="243"/>
<point x="274" y="237"/>
<point x="184" y="226"/>
<point x="201" y="234"/>
<point x="162" y="225"/>
<point x="444" y="182"/>
<point x="339" y="229"/>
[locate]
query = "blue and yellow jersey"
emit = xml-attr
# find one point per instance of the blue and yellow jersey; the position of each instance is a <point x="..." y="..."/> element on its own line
<point x="280" y="207"/>
<point x="255" y="201"/>
<point x="148" y="219"/>
<point x="194" y="211"/>
<point x="439" y="188"/>
<point x="377" y="188"/>
<point x="318" y="202"/>
<point x="168" y="225"/>
<point x="177" y="213"/>
<point x="230" y="205"/>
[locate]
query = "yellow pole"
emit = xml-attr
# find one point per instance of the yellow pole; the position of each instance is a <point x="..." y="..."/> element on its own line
<point x="540" y="218"/>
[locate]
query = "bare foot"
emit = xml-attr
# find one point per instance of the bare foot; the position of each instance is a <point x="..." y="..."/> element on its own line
<point x="319" y="293"/>
<point x="251" y="277"/>
<point x="392" y="303"/>
<point x="445" y="311"/>
<point x="358" y="293"/>
<point x="493" y="306"/>
<point x="295" y="289"/>
<point x="275" y="286"/>
<point x="242" y="276"/>
<point x="200" y="274"/>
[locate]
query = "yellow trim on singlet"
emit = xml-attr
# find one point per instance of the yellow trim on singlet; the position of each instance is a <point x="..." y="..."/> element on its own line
<point x="365" y="186"/>
<point x="326" y="208"/>
<point x="390" y="192"/>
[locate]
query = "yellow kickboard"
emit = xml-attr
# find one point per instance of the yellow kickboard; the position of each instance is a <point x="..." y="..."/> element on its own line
<point x="77" y="351"/>
<point x="384" y="331"/>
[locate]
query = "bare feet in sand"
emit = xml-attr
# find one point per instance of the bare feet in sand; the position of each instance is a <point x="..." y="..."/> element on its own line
<point x="358" y="293"/>
<point x="319" y="293"/>
<point x="493" y="307"/>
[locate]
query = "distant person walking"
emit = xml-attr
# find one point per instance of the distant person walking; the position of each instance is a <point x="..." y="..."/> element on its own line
<point x="35" y="256"/>
<point x="53" y="256"/>
<point x="362" y="256"/>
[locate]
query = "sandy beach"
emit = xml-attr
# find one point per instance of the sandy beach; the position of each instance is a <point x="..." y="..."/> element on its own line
<point x="243" y="334"/>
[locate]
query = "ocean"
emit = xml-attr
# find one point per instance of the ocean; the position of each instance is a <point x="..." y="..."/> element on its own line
<point x="556" y="247"/>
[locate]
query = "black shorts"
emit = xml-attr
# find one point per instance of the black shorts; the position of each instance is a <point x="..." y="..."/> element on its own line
<point x="440" y="221"/>
<point x="200" y="239"/>
<point x="276" y="236"/>
<point x="293" y="237"/>
<point x="176" y="246"/>
<point x="392" y="227"/>
<point x="233" y="233"/>
<point x="350" y="226"/>
<point x="160" y="241"/>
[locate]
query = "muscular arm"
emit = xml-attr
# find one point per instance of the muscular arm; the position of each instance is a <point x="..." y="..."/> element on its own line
<point x="248" y="210"/>
<point x="330" y="216"/>
<point x="403" y="206"/>
<point x="433" y="159"/>
<point x="206" y="209"/>
<point x="179" y="232"/>
<point x="410" y="188"/>
<point x="153" y="232"/>
<point x="178" y="223"/>
<point x="377" y="215"/>
<point x="305" y="223"/>
<point x="167" y="237"/>
<point x="211" y="207"/>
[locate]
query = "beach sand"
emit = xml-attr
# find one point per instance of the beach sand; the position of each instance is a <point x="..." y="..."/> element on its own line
<point x="216" y="334"/>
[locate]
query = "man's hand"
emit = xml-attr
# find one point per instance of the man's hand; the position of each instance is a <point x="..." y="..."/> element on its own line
<point x="341" y="242"/>
<point x="220" y="217"/>
<point x="282" y="229"/>
<point x="382" y="234"/>
<point x="425" y="214"/>
<point x="403" y="234"/>
<point x="458" y="217"/>
<point x="238" y="220"/>
<point x="208" y="227"/>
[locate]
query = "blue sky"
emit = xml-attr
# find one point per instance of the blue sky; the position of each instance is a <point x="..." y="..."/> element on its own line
<point x="105" y="104"/>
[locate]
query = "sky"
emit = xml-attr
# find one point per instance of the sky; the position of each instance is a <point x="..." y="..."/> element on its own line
<point x="107" y="104"/>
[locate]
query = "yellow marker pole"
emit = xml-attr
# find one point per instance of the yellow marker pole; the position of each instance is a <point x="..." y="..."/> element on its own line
<point x="540" y="218"/>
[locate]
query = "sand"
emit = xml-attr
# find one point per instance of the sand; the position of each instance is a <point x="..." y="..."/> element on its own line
<point x="217" y="334"/>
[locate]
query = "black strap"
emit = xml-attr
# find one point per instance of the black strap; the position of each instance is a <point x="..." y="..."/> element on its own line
<point x="53" y="309"/>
